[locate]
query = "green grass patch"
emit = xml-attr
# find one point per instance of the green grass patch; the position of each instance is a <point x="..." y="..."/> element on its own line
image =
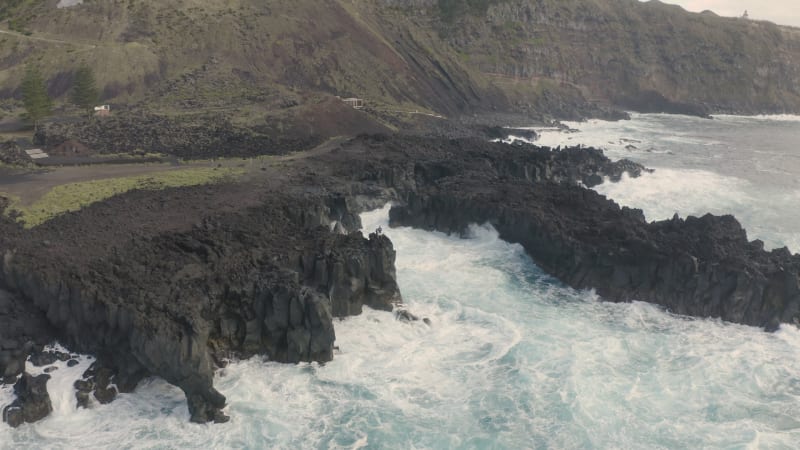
<point x="74" y="196"/>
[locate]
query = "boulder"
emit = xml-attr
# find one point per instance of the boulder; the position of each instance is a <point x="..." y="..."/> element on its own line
<point x="32" y="403"/>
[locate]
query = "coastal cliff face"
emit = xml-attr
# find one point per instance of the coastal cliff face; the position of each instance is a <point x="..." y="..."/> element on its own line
<point x="544" y="58"/>
<point x="702" y="267"/>
<point x="266" y="281"/>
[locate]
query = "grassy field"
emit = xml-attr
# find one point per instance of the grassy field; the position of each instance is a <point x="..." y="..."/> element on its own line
<point x="74" y="196"/>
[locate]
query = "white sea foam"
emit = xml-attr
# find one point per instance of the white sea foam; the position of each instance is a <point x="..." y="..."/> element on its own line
<point x="771" y="117"/>
<point x="763" y="213"/>
<point x="512" y="360"/>
<point x="737" y="165"/>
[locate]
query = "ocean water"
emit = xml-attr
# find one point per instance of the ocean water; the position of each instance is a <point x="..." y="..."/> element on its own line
<point x="512" y="360"/>
<point x="745" y="166"/>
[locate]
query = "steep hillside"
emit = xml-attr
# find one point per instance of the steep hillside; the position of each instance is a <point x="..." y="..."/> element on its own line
<point x="184" y="53"/>
<point x="633" y="54"/>
<point x="556" y="57"/>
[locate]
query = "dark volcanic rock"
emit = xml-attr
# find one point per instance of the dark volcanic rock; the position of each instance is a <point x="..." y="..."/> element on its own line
<point x="263" y="281"/>
<point x="32" y="403"/>
<point x="11" y="153"/>
<point x="503" y="133"/>
<point x="699" y="266"/>
<point x="45" y="358"/>
<point x="83" y="389"/>
<point x="653" y="102"/>
<point x="23" y="328"/>
<point x="174" y="283"/>
<point x="198" y="137"/>
<point x="106" y="395"/>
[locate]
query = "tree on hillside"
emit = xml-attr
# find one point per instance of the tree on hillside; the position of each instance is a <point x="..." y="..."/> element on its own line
<point x="84" y="90"/>
<point x="37" y="103"/>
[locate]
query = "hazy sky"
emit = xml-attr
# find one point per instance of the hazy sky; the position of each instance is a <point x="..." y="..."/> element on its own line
<point x="786" y="12"/>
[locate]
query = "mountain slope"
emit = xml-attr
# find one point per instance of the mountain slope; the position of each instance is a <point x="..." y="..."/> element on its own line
<point x="630" y="53"/>
<point x="454" y="58"/>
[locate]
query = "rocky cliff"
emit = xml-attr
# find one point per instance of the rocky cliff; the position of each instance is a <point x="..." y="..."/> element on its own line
<point x="649" y="57"/>
<point x="264" y="281"/>
<point x="703" y="267"/>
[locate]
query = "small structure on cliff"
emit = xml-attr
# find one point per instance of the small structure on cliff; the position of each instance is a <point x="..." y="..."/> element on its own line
<point x="36" y="153"/>
<point x="71" y="147"/>
<point x="102" y="110"/>
<point x="356" y="103"/>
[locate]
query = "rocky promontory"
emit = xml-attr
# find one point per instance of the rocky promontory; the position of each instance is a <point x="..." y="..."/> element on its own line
<point x="267" y="280"/>
<point x="174" y="283"/>
<point x="703" y="267"/>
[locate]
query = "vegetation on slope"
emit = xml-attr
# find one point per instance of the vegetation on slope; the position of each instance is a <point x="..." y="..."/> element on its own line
<point x="74" y="196"/>
<point x="449" y="56"/>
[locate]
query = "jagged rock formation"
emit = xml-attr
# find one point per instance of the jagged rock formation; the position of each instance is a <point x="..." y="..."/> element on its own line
<point x="701" y="267"/>
<point x="265" y="281"/>
<point x="32" y="403"/>
<point x="97" y="382"/>
<point x="23" y="329"/>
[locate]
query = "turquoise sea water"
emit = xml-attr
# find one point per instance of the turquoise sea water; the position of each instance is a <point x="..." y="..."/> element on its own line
<point x="512" y="359"/>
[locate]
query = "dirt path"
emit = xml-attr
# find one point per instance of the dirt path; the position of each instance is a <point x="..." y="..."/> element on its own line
<point x="49" y="40"/>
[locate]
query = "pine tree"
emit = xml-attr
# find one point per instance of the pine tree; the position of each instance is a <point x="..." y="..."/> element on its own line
<point x="34" y="96"/>
<point x="84" y="91"/>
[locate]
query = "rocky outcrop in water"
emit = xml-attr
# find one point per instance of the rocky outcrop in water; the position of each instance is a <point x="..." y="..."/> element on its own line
<point x="701" y="267"/>
<point x="97" y="384"/>
<point x="32" y="403"/>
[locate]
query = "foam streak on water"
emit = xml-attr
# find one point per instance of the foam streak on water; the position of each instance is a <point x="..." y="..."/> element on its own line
<point x="745" y="166"/>
<point x="512" y="360"/>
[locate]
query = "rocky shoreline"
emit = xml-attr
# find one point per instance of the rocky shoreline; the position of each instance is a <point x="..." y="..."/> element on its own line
<point x="175" y="283"/>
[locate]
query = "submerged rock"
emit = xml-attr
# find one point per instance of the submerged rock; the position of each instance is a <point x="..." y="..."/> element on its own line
<point x="404" y="315"/>
<point x="45" y="358"/>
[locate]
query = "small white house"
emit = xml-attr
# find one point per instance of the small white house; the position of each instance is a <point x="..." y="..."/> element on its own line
<point x="356" y="103"/>
<point x="102" y="110"/>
